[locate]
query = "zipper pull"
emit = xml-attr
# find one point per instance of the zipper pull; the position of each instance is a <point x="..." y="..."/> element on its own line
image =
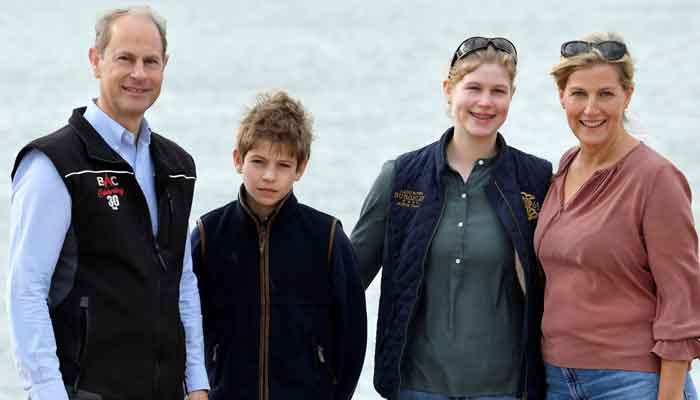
<point x="263" y="229"/>
<point x="215" y="353"/>
<point x="319" y="352"/>
<point x="161" y="261"/>
<point x="170" y="203"/>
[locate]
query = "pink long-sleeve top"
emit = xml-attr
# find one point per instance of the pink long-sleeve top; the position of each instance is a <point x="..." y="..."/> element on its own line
<point x="622" y="268"/>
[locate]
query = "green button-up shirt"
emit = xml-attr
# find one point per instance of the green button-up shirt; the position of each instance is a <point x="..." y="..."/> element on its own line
<point x="465" y="335"/>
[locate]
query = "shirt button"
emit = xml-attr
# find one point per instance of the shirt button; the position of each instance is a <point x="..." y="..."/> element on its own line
<point x="464" y="195"/>
<point x="458" y="261"/>
<point x="480" y="162"/>
<point x="460" y="224"/>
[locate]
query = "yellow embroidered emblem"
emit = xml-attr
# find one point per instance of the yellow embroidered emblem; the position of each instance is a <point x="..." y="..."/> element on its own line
<point x="532" y="207"/>
<point x="409" y="198"/>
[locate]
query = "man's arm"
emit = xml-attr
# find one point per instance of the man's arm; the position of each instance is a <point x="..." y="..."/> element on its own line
<point x="40" y="215"/>
<point x="196" y="379"/>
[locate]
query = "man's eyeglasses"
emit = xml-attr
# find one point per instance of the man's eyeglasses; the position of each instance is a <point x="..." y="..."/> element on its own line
<point x="477" y="43"/>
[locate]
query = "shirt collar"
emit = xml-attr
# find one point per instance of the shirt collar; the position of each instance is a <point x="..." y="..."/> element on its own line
<point x="443" y="167"/>
<point x="111" y="131"/>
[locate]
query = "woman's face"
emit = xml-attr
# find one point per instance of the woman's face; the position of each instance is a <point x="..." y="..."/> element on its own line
<point x="479" y="102"/>
<point x="594" y="101"/>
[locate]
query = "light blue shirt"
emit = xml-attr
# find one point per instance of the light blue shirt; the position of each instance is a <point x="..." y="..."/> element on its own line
<point x="40" y="215"/>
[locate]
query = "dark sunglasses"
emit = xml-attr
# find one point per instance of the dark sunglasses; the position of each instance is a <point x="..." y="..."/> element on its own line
<point x="612" y="50"/>
<point x="477" y="43"/>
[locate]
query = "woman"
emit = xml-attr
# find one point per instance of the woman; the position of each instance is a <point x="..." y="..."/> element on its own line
<point x="451" y="224"/>
<point x="617" y="243"/>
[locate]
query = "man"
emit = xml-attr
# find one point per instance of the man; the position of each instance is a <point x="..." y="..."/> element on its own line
<point x="102" y="300"/>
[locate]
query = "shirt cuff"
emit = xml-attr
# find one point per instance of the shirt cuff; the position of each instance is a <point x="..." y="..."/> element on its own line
<point x="677" y="350"/>
<point x="52" y="390"/>
<point x="196" y="379"/>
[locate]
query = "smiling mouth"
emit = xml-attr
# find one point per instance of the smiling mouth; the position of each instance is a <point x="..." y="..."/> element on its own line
<point x="482" y="116"/>
<point x="593" y="124"/>
<point x="134" y="90"/>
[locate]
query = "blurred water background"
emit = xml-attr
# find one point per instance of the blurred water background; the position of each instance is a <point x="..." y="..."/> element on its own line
<point x="370" y="73"/>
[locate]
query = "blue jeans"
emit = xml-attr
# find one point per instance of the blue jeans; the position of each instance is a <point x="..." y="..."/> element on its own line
<point x="605" y="384"/>
<point x="415" y="395"/>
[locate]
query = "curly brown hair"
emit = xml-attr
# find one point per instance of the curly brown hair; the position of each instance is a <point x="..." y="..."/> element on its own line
<point x="280" y="119"/>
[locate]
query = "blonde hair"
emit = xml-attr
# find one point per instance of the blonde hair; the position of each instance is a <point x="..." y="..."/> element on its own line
<point x="567" y="66"/>
<point x="478" y="58"/>
<point x="280" y="119"/>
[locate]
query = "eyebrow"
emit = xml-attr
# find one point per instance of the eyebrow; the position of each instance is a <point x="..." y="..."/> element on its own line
<point x="131" y="54"/>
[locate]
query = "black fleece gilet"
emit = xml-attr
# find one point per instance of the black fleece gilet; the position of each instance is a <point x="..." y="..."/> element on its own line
<point x="114" y="296"/>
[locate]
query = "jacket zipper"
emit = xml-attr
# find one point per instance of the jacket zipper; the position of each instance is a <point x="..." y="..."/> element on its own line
<point x="418" y="290"/>
<point x="263" y="232"/>
<point x="264" y="350"/>
<point x="522" y="237"/>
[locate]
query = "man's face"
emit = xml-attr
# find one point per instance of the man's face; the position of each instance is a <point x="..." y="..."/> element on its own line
<point x="130" y="70"/>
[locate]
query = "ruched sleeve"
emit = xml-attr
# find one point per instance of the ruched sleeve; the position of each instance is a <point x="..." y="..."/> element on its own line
<point x="671" y="243"/>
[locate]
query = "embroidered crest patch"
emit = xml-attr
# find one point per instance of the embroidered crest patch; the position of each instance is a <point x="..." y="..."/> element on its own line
<point x="409" y="198"/>
<point x="532" y="207"/>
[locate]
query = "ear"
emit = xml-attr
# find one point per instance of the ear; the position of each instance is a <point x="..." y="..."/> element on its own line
<point x="237" y="161"/>
<point x="446" y="89"/>
<point x="165" y="60"/>
<point x="628" y="96"/>
<point x="561" y="98"/>
<point x="95" y="58"/>
<point x="512" y="91"/>
<point x="301" y="168"/>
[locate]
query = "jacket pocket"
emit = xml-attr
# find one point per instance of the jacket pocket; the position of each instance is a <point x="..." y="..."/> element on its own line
<point x="82" y="340"/>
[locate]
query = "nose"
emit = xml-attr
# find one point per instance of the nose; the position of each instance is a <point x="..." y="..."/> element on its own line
<point x="591" y="106"/>
<point x="485" y="100"/>
<point x="269" y="174"/>
<point x="138" y="72"/>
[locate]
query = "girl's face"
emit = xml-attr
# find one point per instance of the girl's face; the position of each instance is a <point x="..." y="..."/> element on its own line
<point x="479" y="102"/>
<point x="595" y="101"/>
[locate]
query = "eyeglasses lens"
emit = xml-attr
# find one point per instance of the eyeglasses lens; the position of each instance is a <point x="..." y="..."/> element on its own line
<point x="612" y="50"/>
<point x="571" y="49"/>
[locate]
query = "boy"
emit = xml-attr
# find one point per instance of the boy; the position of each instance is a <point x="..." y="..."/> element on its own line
<point x="283" y="307"/>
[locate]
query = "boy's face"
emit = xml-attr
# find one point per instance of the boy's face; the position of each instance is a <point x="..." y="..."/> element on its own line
<point x="269" y="172"/>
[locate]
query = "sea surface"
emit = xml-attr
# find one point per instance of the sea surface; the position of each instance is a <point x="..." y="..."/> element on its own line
<point x="369" y="71"/>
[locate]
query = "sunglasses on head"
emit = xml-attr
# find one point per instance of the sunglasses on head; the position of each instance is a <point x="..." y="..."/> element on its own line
<point x="612" y="50"/>
<point x="477" y="43"/>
